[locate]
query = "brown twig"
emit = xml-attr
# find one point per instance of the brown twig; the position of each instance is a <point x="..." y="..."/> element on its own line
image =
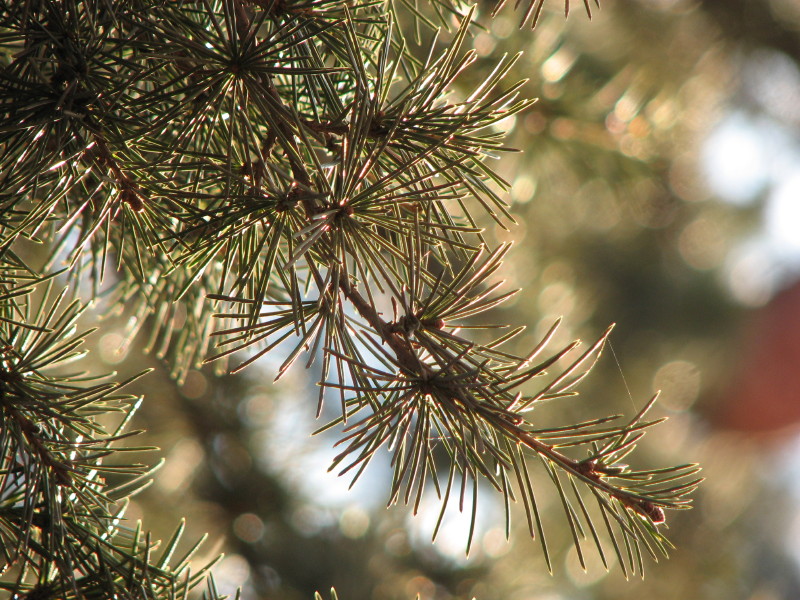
<point x="61" y="468"/>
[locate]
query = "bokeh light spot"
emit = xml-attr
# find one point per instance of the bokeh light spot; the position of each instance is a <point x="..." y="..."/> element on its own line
<point x="181" y="463"/>
<point x="558" y="65"/>
<point x="523" y="189"/>
<point x="195" y="385"/>
<point x="421" y="587"/>
<point x="783" y="217"/>
<point x="594" y="567"/>
<point x="248" y="527"/>
<point x="495" y="543"/>
<point x="354" y="522"/>
<point x="736" y="158"/>
<point x="751" y="275"/>
<point x="679" y="382"/>
<point x="701" y="244"/>
<point x="113" y="348"/>
<point x="230" y="572"/>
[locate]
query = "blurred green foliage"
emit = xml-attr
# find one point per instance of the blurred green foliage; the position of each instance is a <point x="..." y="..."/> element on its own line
<point x="615" y="224"/>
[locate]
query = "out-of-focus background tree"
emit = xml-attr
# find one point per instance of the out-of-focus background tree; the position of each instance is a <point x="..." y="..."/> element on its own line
<point x="659" y="188"/>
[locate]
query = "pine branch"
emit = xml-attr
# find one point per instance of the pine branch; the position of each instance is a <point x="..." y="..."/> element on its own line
<point x="443" y="383"/>
<point x="62" y="492"/>
<point x="297" y="168"/>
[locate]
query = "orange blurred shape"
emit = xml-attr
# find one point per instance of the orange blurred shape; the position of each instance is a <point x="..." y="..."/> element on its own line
<point x="764" y="397"/>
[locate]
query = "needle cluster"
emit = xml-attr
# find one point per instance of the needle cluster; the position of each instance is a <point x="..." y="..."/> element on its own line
<point x="293" y="178"/>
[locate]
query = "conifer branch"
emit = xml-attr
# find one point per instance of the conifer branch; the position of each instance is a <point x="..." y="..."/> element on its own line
<point x="297" y="168"/>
